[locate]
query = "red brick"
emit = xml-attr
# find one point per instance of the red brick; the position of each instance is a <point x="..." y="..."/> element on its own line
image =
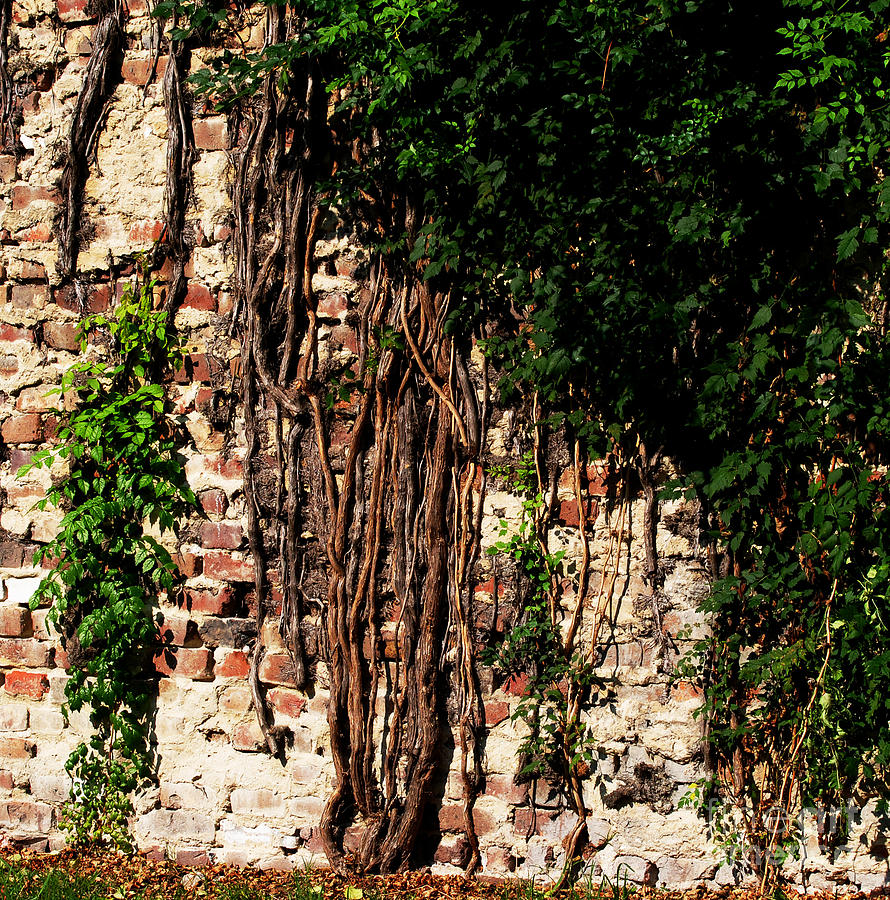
<point x="505" y="788"/>
<point x="233" y="664"/>
<point x="27" y="429"/>
<point x="214" y="502"/>
<point x="73" y="10"/>
<point x="97" y="298"/>
<point x="61" y="336"/>
<point x="14" y="333"/>
<point x="496" y="711"/>
<point x="188" y="563"/>
<point x="451" y="818"/>
<point x="222" y="602"/>
<point x="138" y="71"/>
<point x="248" y="738"/>
<point x="221" y="535"/>
<point x="7" y="782"/>
<point x="146" y="231"/>
<point x="516" y="684"/>
<point x="199" y="297"/>
<point x="223" y="567"/>
<point x="23" y="195"/>
<point x="568" y="512"/>
<point x="15" y="621"/>
<point x="332" y="305"/>
<point x="26" y="684"/>
<point x="30" y="296"/>
<point x="192" y="858"/>
<point x="17" y="748"/>
<point x="211" y="134"/>
<point x="277" y="668"/>
<point x="61" y="659"/>
<point x="177" y="630"/>
<point x="197" y="367"/>
<point x="37" y="234"/>
<point x="190" y="662"/>
<point x="288" y="703"/>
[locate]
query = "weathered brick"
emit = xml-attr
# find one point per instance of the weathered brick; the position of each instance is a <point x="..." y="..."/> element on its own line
<point x="12" y="555"/>
<point x="505" y="788"/>
<point x="496" y="711"/>
<point x="26" y="815"/>
<point x="146" y="231"/>
<point x="32" y="296"/>
<point x="227" y="632"/>
<point x="182" y="795"/>
<point x="211" y="133"/>
<point x="73" y="10"/>
<point x="248" y="738"/>
<point x="16" y="333"/>
<point x="222" y="566"/>
<point x="214" y="502"/>
<point x="138" y="71"/>
<point x="51" y="788"/>
<point x="9" y="365"/>
<point x="13" y="718"/>
<point x="218" y="602"/>
<point x="257" y="803"/>
<point x="177" y="630"/>
<point x="332" y="305"/>
<point x="192" y="858"/>
<point x="221" y="535"/>
<point x="26" y="429"/>
<point x="15" y="621"/>
<point x="233" y="664"/>
<point x="189" y="564"/>
<point x="277" y="668"/>
<point x="25" y="652"/>
<point x="26" y="684"/>
<point x="199" y="297"/>
<point x="17" y="748"/>
<point x="23" y="195"/>
<point x="46" y="721"/>
<point x="185" y="824"/>
<point x="190" y="662"/>
<point x="7" y="782"/>
<point x="7" y="168"/>
<point x="288" y="703"/>
<point x="61" y="336"/>
<point x="451" y="818"/>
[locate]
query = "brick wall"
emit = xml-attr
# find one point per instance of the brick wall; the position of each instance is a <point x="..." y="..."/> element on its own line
<point x="218" y="794"/>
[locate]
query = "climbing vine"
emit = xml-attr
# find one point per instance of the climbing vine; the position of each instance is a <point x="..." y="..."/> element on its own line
<point x="668" y="223"/>
<point x="122" y="479"/>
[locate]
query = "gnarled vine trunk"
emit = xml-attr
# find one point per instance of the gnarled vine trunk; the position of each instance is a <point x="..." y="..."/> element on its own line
<point x="389" y="513"/>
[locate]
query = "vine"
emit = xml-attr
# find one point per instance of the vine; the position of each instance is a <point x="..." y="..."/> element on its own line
<point x="123" y="477"/>
<point x="101" y="75"/>
<point x="709" y="292"/>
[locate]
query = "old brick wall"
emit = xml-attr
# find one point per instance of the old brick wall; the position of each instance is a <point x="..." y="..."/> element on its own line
<point x="218" y="795"/>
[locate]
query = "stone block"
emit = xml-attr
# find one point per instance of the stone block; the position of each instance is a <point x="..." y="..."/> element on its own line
<point x="51" y="788"/>
<point x="231" y="632"/>
<point x="182" y="795"/>
<point x="179" y="823"/>
<point x="261" y="803"/>
<point x="26" y="815"/>
<point x="46" y="721"/>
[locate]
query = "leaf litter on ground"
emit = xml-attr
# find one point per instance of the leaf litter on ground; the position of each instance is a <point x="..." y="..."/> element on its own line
<point x="100" y="875"/>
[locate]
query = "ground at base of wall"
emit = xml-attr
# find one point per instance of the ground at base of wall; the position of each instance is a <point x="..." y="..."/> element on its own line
<point x="90" y="875"/>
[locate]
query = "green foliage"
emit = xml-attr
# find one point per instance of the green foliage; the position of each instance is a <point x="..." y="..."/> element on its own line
<point x="556" y="741"/>
<point x="123" y="478"/>
<point x="685" y="205"/>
